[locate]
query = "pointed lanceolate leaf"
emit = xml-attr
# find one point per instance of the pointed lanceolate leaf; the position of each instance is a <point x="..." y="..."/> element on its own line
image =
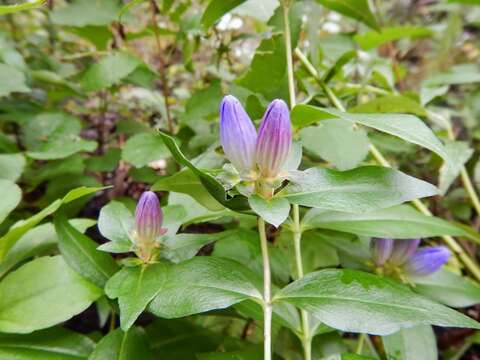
<point x="202" y="284"/>
<point x="398" y="222"/>
<point x="81" y="254"/>
<point x="51" y="344"/>
<point x="51" y="293"/>
<point x="355" y="301"/>
<point x="359" y="190"/>
<point x="214" y="187"/>
<point x="135" y="287"/>
<point x="20" y="228"/>
<point x="407" y="127"/>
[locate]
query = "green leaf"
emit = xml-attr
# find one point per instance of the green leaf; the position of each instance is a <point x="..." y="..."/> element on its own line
<point x="354" y="301"/>
<point x="85" y="12"/>
<point x="49" y="136"/>
<point x="130" y="345"/>
<point x="27" y="5"/>
<point x="213" y="186"/>
<point x="81" y="254"/>
<point x="181" y="339"/>
<point x="407" y="127"/>
<point x="142" y="149"/>
<point x="116" y="222"/>
<point x="11" y="80"/>
<point x="390" y="104"/>
<point x="457" y="75"/>
<point x="186" y="182"/>
<point x="337" y="142"/>
<point x="274" y="211"/>
<point x="11" y="195"/>
<point x="355" y="9"/>
<point x="184" y="246"/>
<point x="359" y="190"/>
<point x="339" y="64"/>
<point x="45" y="281"/>
<point x="11" y="166"/>
<point x="449" y="288"/>
<point x="459" y="153"/>
<point x="110" y="70"/>
<point x="202" y="284"/>
<point x="216" y="9"/>
<point x="399" y="222"/>
<point x="51" y="344"/>
<point x="373" y="39"/>
<point x="20" y="228"/>
<point x="243" y="246"/>
<point x="36" y="242"/>
<point x="411" y="344"/>
<point x="135" y="287"/>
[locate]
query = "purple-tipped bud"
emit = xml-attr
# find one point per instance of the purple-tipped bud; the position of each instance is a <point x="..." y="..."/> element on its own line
<point x="403" y="250"/>
<point x="237" y="134"/>
<point x="381" y="250"/>
<point x="427" y="260"/>
<point x="148" y="218"/>
<point x="274" y="139"/>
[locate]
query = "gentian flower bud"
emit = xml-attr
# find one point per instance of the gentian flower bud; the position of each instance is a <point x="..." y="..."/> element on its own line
<point x="148" y="219"/>
<point x="238" y="135"/>
<point x="403" y="250"/>
<point x="381" y="250"/>
<point x="274" y="139"/>
<point x="427" y="260"/>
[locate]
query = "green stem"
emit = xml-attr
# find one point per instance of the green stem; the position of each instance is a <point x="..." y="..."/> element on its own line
<point x="361" y="341"/>
<point x="297" y="232"/>
<point x="267" y="292"/>
<point x="378" y="156"/>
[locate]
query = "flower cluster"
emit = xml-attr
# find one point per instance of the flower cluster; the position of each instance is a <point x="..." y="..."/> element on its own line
<point x="404" y="259"/>
<point x="257" y="157"/>
<point x="148" y="225"/>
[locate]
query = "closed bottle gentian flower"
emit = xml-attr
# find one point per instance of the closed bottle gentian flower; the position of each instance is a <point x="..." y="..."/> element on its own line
<point x="274" y="139"/>
<point x="403" y="250"/>
<point x="426" y="261"/>
<point x="381" y="250"/>
<point x="238" y="135"/>
<point x="148" y="219"/>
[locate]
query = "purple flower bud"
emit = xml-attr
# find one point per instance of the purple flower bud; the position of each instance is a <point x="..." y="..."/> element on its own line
<point x="403" y="250"/>
<point x="274" y="139"/>
<point x="381" y="250"/>
<point x="237" y="134"/>
<point x="148" y="218"/>
<point x="427" y="260"/>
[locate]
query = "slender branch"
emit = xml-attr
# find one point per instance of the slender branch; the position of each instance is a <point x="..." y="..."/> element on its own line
<point x="267" y="292"/>
<point x="297" y="233"/>
<point x="450" y="241"/>
<point x="163" y="77"/>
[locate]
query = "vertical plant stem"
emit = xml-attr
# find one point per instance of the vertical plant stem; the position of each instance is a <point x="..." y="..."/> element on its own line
<point x="267" y="292"/>
<point x="469" y="263"/>
<point x="163" y="67"/>
<point x="361" y="341"/>
<point x="297" y="231"/>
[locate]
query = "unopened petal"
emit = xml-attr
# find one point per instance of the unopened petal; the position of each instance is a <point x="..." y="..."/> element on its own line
<point x="148" y="217"/>
<point x="238" y="135"/>
<point x="381" y="249"/>
<point x="427" y="260"/>
<point x="403" y="250"/>
<point x="274" y="139"/>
